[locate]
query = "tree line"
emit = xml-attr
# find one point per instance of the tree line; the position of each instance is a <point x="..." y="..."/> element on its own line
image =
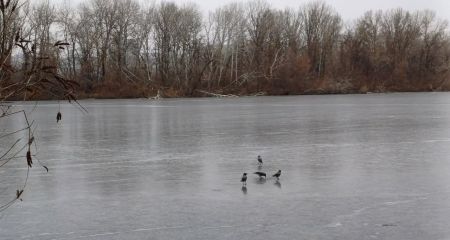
<point x="129" y="49"/>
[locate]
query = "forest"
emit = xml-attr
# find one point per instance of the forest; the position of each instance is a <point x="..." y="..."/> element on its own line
<point x="125" y="49"/>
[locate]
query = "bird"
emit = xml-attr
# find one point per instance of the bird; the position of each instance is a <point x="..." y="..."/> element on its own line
<point x="58" y="117"/>
<point x="277" y="174"/>
<point x="260" y="174"/>
<point x="244" y="179"/>
<point x="260" y="160"/>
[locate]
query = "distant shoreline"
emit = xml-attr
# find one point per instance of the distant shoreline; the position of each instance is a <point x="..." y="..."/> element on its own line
<point x="311" y="93"/>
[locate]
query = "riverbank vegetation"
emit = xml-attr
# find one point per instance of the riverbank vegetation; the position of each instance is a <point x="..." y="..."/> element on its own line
<point x="39" y="75"/>
<point x="129" y="49"/>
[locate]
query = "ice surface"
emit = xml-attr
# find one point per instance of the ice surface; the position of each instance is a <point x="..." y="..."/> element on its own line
<point x="353" y="167"/>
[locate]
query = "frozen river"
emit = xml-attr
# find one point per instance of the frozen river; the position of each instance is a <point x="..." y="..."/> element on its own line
<point x="353" y="167"/>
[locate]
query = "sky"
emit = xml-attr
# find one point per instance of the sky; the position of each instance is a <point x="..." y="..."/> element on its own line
<point x="349" y="9"/>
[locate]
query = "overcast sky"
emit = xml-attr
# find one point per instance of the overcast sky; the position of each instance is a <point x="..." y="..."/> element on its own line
<point x="349" y="9"/>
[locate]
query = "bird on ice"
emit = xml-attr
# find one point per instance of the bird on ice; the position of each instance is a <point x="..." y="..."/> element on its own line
<point x="244" y="179"/>
<point x="58" y="117"/>
<point x="260" y="174"/>
<point x="277" y="174"/>
<point x="260" y="160"/>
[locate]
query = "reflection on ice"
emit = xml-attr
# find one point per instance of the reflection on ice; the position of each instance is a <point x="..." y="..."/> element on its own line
<point x="278" y="184"/>
<point x="244" y="190"/>
<point x="138" y="169"/>
<point x="260" y="180"/>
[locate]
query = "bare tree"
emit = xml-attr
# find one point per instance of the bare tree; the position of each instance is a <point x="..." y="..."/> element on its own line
<point x="115" y="46"/>
<point x="322" y="26"/>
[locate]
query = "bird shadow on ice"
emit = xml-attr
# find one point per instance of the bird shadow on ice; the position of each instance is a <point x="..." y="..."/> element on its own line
<point x="260" y="180"/>
<point x="244" y="190"/>
<point x="278" y="184"/>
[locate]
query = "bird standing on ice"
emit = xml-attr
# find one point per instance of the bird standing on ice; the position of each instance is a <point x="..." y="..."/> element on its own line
<point x="260" y="160"/>
<point x="244" y="179"/>
<point x="277" y="175"/>
<point x="260" y="174"/>
<point x="58" y="117"/>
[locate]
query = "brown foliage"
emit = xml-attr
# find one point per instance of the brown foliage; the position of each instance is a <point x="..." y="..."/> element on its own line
<point x="121" y="49"/>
